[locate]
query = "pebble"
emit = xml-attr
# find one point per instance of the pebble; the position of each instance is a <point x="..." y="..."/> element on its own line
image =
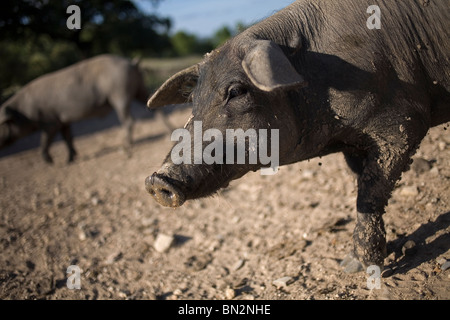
<point x="351" y="265"/>
<point x="307" y="174"/>
<point x="434" y="171"/>
<point x="410" y="191"/>
<point x="445" y="266"/>
<point x="230" y="293"/>
<point x="421" y="165"/>
<point x="114" y="257"/>
<point x="177" y="292"/>
<point x="409" y="248"/>
<point x="82" y="235"/>
<point x="163" y="242"/>
<point x="282" y="282"/>
<point x="237" y="265"/>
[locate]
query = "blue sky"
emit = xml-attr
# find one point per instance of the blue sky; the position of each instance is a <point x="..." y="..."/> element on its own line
<point x="203" y="17"/>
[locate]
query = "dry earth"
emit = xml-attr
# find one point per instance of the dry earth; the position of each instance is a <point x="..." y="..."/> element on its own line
<point x="96" y="214"/>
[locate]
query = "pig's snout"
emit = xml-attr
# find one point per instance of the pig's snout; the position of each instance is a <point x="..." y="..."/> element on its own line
<point x="163" y="191"/>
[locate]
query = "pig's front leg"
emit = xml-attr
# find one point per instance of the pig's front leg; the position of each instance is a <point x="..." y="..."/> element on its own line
<point x="369" y="241"/>
<point x="378" y="169"/>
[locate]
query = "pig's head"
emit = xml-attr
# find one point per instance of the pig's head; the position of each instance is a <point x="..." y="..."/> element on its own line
<point x="13" y="125"/>
<point x="242" y="85"/>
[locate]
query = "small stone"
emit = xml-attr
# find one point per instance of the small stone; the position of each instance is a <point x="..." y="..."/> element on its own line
<point x="409" y="248"/>
<point x="114" y="257"/>
<point x="238" y="264"/>
<point x="230" y="293"/>
<point x="57" y="191"/>
<point x="434" y="171"/>
<point x="307" y="174"/>
<point x="410" y="191"/>
<point x="282" y="282"/>
<point x="95" y="201"/>
<point x="82" y="235"/>
<point x="177" y="292"/>
<point x="221" y="284"/>
<point x="351" y="264"/>
<point x="163" y="242"/>
<point x="441" y="261"/>
<point x="445" y="266"/>
<point x="421" y="165"/>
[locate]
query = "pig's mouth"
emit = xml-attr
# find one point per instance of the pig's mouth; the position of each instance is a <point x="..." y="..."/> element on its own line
<point x="171" y="192"/>
<point x="163" y="191"/>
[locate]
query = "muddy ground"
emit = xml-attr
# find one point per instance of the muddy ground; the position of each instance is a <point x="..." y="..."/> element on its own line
<point x="96" y="214"/>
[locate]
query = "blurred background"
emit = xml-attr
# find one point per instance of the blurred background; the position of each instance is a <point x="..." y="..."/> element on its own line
<point x="167" y="34"/>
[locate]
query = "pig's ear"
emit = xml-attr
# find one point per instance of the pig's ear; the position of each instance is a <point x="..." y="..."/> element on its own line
<point x="176" y="89"/>
<point x="269" y="69"/>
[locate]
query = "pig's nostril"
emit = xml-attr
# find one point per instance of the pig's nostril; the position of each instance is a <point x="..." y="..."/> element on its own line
<point x="166" y="193"/>
<point x="163" y="191"/>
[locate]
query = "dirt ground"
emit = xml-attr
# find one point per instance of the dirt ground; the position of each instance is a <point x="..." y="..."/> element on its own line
<point x="96" y="214"/>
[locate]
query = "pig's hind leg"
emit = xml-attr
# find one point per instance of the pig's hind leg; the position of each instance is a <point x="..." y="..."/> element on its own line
<point x="122" y="108"/>
<point x="47" y="136"/>
<point x="66" y="133"/>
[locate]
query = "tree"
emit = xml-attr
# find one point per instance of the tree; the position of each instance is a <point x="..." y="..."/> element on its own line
<point x="35" y="39"/>
<point x="185" y="44"/>
<point x="221" y="36"/>
<point x="106" y="24"/>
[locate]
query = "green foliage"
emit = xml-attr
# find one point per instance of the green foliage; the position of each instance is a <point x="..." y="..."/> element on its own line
<point x="184" y="44"/>
<point x="35" y="40"/>
<point x="21" y="62"/>
<point x="115" y="26"/>
<point x="221" y="36"/>
<point x="188" y="44"/>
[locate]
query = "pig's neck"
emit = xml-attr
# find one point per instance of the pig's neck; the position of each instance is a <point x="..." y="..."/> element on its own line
<point x="298" y="29"/>
<point x="295" y="28"/>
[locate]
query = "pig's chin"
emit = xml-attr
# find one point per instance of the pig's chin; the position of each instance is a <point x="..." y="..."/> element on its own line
<point x="171" y="192"/>
<point x="209" y="187"/>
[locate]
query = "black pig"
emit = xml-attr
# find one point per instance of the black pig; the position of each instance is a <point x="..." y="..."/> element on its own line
<point x="329" y="83"/>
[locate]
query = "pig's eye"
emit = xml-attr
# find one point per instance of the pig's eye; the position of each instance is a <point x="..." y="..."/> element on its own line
<point x="236" y="91"/>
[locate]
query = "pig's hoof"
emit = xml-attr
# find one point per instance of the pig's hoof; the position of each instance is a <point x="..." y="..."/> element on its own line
<point x="72" y="156"/>
<point x="48" y="159"/>
<point x="351" y="264"/>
